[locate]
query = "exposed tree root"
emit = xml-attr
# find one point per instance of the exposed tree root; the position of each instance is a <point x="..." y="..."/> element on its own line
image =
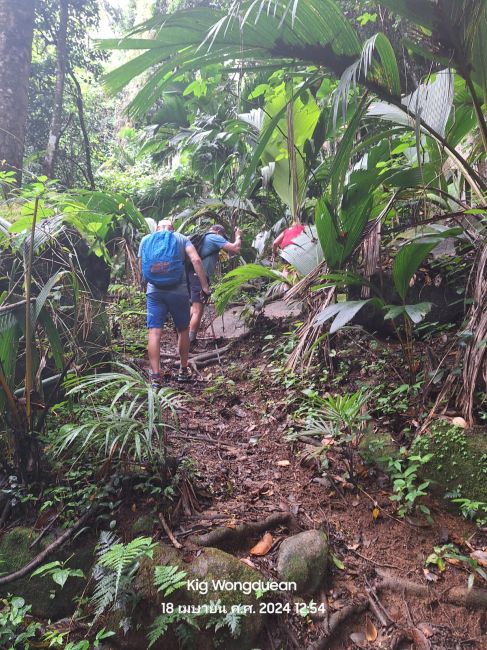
<point x="198" y="361"/>
<point x="336" y="621"/>
<point x="455" y="596"/>
<point x="412" y="634"/>
<point x="35" y="562"/>
<point x="239" y="534"/>
<point x="5" y="512"/>
<point x="169" y="532"/>
<point x="377" y="608"/>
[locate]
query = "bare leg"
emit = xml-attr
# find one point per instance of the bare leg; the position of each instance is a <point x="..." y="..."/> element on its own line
<point x="154" y="349"/>
<point x="197" y="309"/>
<point x="183" y="346"/>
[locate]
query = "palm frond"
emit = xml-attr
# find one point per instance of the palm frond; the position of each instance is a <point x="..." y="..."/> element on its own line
<point x="232" y="282"/>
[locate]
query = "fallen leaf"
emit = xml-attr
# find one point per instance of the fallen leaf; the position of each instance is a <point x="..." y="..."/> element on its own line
<point x="337" y="562"/>
<point x="356" y="502"/>
<point x="426" y="629"/>
<point x="262" y="547"/>
<point x="240" y="413"/>
<point x="431" y="577"/>
<point x="283" y="463"/>
<point x="459" y="422"/>
<point x="328" y="441"/>
<point x="359" y="639"/>
<point x="362" y="471"/>
<point x="419" y="639"/>
<point x="454" y="561"/>
<point x="480" y="557"/>
<point x="370" y="631"/>
<point x="375" y="513"/>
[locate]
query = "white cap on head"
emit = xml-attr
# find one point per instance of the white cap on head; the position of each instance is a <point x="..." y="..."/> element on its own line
<point x="165" y="223"/>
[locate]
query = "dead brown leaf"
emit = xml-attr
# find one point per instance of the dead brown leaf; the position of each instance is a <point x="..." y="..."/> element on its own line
<point x="359" y="639"/>
<point x="375" y="513"/>
<point x="459" y="422"/>
<point x="370" y="631"/>
<point x="480" y="557"/>
<point x="426" y="629"/>
<point x="262" y="547"/>
<point x="431" y="577"/>
<point x="328" y="441"/>
<point x="283" y="463"/>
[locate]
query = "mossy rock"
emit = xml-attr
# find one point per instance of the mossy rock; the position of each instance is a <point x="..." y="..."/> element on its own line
<point x="303" y="559"/>
<point x="210" y="564"/>
<point x="143" y="525"/>
<point x="459" y="463"/>
<point x="15" y="553"/>
<point x="375" y="446"/>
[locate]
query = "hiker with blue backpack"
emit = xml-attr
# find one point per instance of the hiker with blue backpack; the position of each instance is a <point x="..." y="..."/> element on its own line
<point x="208" y="246"/>
<point x="162" y="256"/>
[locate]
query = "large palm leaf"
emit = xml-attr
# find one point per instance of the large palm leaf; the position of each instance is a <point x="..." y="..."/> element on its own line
<point x="315" y="33"/>
<point x="452" y="32"/>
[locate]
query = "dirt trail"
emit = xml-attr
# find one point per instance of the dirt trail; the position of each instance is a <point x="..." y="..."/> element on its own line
<point x="233" y="426"/>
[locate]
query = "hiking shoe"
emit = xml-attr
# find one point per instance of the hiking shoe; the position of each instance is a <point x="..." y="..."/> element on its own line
<point x="183" y="376"/>
<point x="155" y="380"/>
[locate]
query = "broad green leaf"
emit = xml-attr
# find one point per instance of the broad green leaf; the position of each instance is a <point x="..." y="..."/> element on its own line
<point x="45" y="568"/>
<point x="407" y="262"/>
<point x="411" y="255"/>
<point x="418" y="311"/>
<point x="343" y="313"/>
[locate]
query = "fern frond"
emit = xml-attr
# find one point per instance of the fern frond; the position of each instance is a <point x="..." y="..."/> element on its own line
<point x="168" y="579"/>
<point x="117" y="565"/>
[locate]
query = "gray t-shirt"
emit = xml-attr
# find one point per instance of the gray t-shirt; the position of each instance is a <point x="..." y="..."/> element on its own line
<point x="183" y="243"/>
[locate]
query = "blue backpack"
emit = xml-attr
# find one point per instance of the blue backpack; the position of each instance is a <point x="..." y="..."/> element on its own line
<point x="162" y="264"/>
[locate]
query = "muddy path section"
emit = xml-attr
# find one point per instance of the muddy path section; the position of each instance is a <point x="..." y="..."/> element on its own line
<point x="233" y="428"/>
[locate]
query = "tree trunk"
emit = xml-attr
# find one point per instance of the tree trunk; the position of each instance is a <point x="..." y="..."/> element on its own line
<point x="84" y="131"/>
<point x="57" y="111"/>
<point x="16" y="32"/>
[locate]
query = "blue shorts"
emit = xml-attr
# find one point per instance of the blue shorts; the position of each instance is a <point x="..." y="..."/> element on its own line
<point x="160" y="303"/>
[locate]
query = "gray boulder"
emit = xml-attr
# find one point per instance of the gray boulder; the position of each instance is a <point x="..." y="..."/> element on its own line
<point x="303" y="559"/>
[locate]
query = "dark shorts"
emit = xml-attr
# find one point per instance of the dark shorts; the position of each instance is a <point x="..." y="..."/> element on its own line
<point x="160" y="303"/>
<point x="194" y="288"/>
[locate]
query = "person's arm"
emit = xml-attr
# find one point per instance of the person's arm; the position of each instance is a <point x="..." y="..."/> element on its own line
<point x="276" y="244"/>
<point x="195" y="260"/>
<point x="143" y="283"/>
<point x="234" y="247"/>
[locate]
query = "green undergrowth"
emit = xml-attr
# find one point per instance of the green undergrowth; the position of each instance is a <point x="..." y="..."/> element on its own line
<point x="456" y="467"/>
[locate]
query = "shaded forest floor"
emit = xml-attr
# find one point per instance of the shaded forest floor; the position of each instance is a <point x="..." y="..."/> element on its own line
<point x="233" y="429"/>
